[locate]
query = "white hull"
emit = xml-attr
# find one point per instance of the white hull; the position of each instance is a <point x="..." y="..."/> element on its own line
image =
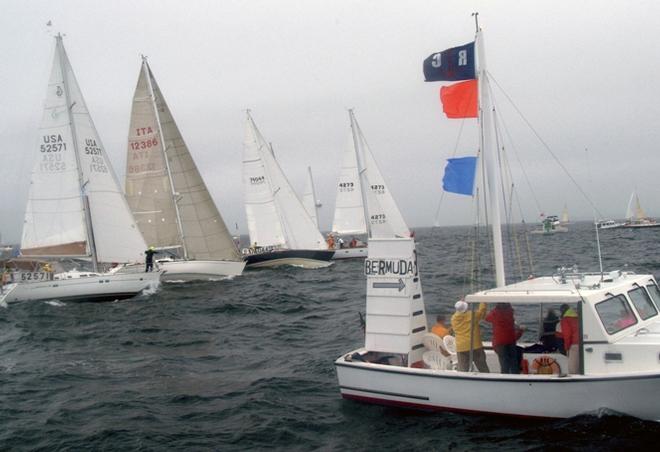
<point x="294" y="262"/>
<point x="200" y="270"/>
<point x="351" y="253"/>
<point x="96" y="287"/>
<point x="541" y="396"/>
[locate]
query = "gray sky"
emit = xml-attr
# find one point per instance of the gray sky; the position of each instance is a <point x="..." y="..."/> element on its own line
<point x="582" y="72"/>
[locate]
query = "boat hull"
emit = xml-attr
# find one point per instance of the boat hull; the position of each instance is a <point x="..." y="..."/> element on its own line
<point x="101" y="287"/>
<point x="535" y="396"/>
<point x="641" y="225"/>
<point x="351" y="253"/>
<point x="195" y="270"/>
<point x="296" y="258"/>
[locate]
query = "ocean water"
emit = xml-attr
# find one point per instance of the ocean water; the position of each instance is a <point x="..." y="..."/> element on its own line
<point x="247" y="363"/>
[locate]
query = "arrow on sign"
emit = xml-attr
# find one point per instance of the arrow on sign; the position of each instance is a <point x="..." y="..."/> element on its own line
<point x="390" y="285"/>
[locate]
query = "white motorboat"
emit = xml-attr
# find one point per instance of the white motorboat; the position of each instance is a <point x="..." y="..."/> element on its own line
<point x="281" y="231"/>
<point x="609" y="224"/>
<point x="75" y="205"/>
<point x="355" y="212"/>
<point x="171" y="203"/>
<point x="617" y="318"/>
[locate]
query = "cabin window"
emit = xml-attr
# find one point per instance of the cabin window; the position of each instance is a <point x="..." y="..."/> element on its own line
<point x="654" y="292"/>
<point x="642" y="302"/>
<point x="616" y="314"/>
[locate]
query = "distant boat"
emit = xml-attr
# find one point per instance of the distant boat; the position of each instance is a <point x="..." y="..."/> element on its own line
<point x="358" y="210"/>
<point x="550" y="225"/>
<point x="609" y="224"/>
<point x="636" y="217"/>
<point x="564" y="216"/>
<point x="281" y="231"/>
<point x="309" y="200"/>
<point x="76" y="208"/>
<point x="173" y="207"/>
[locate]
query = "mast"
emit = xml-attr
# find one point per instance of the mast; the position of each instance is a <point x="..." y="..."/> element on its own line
<point x="311" y="184"/>
<point x="81" y="182"/>
<point x="362" y="171"/>
<point x="145" y="67"/>
<point x="490" y="159"/>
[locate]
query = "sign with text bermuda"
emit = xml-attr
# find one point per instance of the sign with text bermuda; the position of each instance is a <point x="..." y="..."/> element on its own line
<point x="396" y="320"/>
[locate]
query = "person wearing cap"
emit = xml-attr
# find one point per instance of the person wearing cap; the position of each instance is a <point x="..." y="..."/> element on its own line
<point x="466" y="325"/>
<point x="150" y="258"/>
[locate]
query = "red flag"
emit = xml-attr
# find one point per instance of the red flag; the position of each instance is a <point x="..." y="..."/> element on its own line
<point x="460" y="99"/>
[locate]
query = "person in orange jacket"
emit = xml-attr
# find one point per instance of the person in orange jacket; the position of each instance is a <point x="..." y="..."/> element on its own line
<point x="570" y="331"/>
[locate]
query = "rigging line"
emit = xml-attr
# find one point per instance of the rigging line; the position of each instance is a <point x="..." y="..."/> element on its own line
<point x="547" y="147"/>
<point x="436" y="220"/>
<point x="517" y="156"/>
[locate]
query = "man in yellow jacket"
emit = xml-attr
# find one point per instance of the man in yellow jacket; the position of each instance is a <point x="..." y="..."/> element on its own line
<point x="462" y="323"/>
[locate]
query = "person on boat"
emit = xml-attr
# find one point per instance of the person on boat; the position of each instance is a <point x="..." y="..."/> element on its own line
<point x="439" y="328"/>
<point x="149" y="260"/>
<point x="466" y="325"/>
<point x="353" y="243"/>
<point x="549" y="339"/>
<point x="626" y="318"/>
<point x="505" y="335"/>
<point x="6" y="279"/>
<point x="341" y="242"/>
<point x="570" y="330"/>
<point x="331" y="242"/>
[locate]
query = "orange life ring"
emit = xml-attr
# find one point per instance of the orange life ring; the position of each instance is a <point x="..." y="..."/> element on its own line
<point x="546" y="365"/>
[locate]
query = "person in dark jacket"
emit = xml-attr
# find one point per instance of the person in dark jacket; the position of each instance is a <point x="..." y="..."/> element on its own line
<point x="150" y="258"/>
<point x="505" y="335"/>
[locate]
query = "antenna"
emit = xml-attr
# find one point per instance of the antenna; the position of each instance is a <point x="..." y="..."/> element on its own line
<point x="600" y="257"/>
<point x="476" y="21"/>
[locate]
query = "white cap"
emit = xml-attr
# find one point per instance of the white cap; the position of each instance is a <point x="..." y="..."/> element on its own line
<point x="461" y="306"/>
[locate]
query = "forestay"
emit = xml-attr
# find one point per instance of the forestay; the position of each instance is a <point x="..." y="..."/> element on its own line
<point x="309" y="198"/>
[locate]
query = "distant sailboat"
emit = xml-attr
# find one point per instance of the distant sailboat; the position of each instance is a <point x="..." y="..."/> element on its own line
<point x="635" y="215"/>
<point x="76" y="208"/>
<point x="173" y="207"/>
<point x="357" y="213"/>
<point x="564" y="216"/>
<point x="309" y="200"/>
<point x="281" y="231"/>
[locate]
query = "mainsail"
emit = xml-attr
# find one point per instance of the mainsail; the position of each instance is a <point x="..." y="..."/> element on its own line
<point x="75" y="206"/>
<point x="275" y="215"/>
<point x="168" y="196"/>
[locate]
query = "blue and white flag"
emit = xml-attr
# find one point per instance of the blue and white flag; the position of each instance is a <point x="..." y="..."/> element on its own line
<point x="452" y="64"/>
<point x="459" y="175"/>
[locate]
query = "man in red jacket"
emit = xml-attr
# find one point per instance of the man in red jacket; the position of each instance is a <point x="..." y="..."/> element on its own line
<point x="505" y="336"/>
<point x="570" y="331"/>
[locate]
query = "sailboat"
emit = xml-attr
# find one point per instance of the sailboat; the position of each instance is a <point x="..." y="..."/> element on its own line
<point x="613" y="365"/>
<point x="281" y="231"/>
<point x="309" y="200"/>
<point x="352" y="209"/>
<point x="636" y="217"/>
<point x="76" y="208"/>
<point x="172" y="205"/>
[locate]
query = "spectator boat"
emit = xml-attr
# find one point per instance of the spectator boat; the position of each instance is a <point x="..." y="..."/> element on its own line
<point x="401" y="365"/>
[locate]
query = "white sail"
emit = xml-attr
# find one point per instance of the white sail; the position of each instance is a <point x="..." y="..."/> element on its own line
<point x="634" y="211"/>
<point x="59" y="188"/>
<point x="309" y="200"/>
<point x="171" y="191"/>
<point x="564" y="215"/>
<point x="385" y="219"/>
<point x="349" y="209"/>
<point x="275" y="215"/>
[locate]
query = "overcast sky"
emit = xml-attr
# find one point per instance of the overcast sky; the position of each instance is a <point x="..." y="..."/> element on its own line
<point x="584" y="73"/>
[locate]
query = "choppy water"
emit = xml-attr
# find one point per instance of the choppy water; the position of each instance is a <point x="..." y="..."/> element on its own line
<point x="248" y="363"/>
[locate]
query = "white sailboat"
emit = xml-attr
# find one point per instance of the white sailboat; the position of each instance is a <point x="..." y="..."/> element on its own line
<point x="356" y="214"/>
<point x="281" y="231"/>
<point x="76" y="208"/>
<point x="617" y="316"/>
<point x="309" y="199"/>
<point x="636" y="217"/>
<point x="170" y="201"/>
